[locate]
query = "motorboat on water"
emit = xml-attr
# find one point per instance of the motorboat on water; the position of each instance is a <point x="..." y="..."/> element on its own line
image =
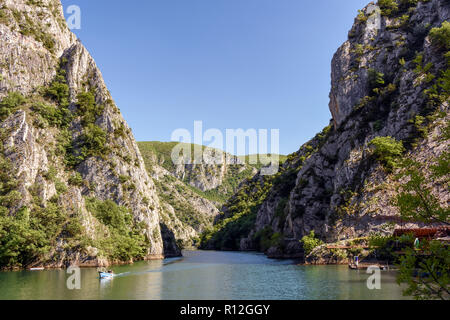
<point x="105" y="274"/>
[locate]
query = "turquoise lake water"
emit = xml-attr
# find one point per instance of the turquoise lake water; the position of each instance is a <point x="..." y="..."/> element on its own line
<point x="203" y="275"/>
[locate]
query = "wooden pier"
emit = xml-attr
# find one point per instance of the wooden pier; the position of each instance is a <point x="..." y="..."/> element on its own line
<point x="365" y="266"/>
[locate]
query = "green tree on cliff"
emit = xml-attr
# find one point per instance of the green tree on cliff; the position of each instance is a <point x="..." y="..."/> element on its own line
<point x="425" y="270"/>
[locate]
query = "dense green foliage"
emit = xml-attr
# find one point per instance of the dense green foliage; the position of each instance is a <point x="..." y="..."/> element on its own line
<point x="242" y="209"/>
<point x="88" y="109"/>
<point x="310" y="242"/>
<point x="213" y="195"/>
<point x="56" y="113"/>
<point x="396" y="7"/>
<point x="58" y="90"/>
<point x="386" y="247"/>
<point x="388" y="7"/>
<point x="243" y="205"/>
<point x="426" y="276"/>
<point x="27" y="234"/>
<point x="92" y="142"/>
<point x="381" y="93"/>
<point x="415" y="201"/>
<point x="376" y="79"/>
<point x="424" y="269"/>
<point x="10" y="103"/>
<point x="387" y="150"/>
<point x="228" y="233"/>
<point x="4" y="19"/>
<point x="258" y="165"/>
<point x="267" y="238"/>
<point x="50" y="115"/>
<point x="439" y="91"/>
<point x="76" y="179"/>
<point x="126" y="239"/>
<point x="441" y="36"/>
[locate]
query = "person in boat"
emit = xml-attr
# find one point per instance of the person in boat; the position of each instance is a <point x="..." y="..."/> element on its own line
<point x="417" y="244"/>
<point x="103" y="270"/>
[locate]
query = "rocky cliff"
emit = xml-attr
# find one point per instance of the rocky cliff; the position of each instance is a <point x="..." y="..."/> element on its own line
<point x="390" y="79"/>
<point x="216" y="182"/>
<point x="74" y="188"/>
<point x="191" y="195"/>
<point x="185" y="211"/>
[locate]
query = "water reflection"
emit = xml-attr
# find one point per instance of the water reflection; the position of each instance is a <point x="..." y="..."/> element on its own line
<point x="203" y="275"/>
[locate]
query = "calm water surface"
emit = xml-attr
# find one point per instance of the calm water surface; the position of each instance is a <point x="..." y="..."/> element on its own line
<point x="203" y="275"/>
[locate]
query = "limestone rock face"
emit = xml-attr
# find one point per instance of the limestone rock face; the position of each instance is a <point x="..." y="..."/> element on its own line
<point x="34" y="39"/>
<point x="333" y="185"/>
<point x="208" y="177"/>
<point x="342" y="164"/>
<point x="191" y="194"/>
<point x="378" y="43"/>
<point x="184" y="213"/>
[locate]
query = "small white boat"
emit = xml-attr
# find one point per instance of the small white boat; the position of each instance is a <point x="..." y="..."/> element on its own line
<point x="37" y="269"/>
<point x="103" y="274"/>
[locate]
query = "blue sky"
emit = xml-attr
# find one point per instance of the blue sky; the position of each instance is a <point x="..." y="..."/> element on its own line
<point x="262" y="64"/>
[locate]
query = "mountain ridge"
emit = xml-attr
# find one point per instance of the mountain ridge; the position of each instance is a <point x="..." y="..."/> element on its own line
<point x="187" y="209"/>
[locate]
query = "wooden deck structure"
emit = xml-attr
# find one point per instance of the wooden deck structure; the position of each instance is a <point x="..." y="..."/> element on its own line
<point x="346" y="247"/>
<point x="424" y="233"/>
